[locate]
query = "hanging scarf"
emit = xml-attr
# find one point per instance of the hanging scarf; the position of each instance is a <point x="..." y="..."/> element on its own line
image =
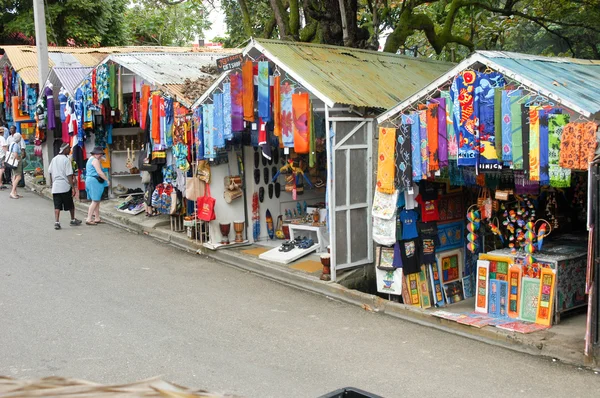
<point x="248" y="91"/>
<point x="50" y="108"/>
<point x="120" y="102"/>
<point x="207" y="123"/>
<point x="465" y="117"/>
<point x="525" y="133"/>
<point x="588" y="144"/>
<point x="312" y="154"/>
<point x="450" y="128"/>
<point x="301" y="114"/>
<point x="163" y="121"/>
<point x="544" y="114"/>
<point x="287" y="119"/>
<point x="144" y="99"/>
<point x="237" y="109"/>
<point x="169" y="120"/>
<point x="155" y="124"/>
<point x="442" y="133"/>
<point x="227" y="129"/>
<point x="507" y="124"/>
<point x="534" y="143"/>
<point x="403" y="155"/>
<point x="484" y="103"/>
<point x="264" y="92"/>
<point x="79" y="108"/>
<point x="134" y="104"/>
<point x="415" y="144"/>
<point x="498" y="123"/>
<point x="432" y="135"/>
<point x="94" y="87"/>
<point x="386" y="166"/>
<point x="517" y="131"/>
<point x="87" y="102"/>
<point x="102" y="81"/>
<point x="112" y="79"/>
<point x="198" y="133"/>
<point x="559" y="177"/>
<point x="277" y="108"/>
<point x="423" y="142"/>
<point x="218" y="125"/>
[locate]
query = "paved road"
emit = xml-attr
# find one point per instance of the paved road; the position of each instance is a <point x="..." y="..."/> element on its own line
<point x="102" y="304"/>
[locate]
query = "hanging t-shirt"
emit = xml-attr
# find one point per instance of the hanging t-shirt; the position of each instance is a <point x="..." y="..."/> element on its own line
<point x="429" y="241"/>
<point x="409" y="224"/>
<point x="429" y="209"/>
<point x="428" y="190"/>
<point x="410" y="256"/>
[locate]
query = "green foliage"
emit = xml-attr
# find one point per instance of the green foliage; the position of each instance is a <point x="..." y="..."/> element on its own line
<point x="261" y="21"/>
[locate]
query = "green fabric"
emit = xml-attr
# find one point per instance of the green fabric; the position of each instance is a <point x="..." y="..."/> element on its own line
<point x="312" y="155"/>
<point x="517" y="131"/>
<point x="559" y="177"/>
<point x="112" y="79"/>
<point x="498" y="121"/>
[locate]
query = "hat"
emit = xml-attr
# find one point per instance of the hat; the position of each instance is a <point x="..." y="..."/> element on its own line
<point x="17" y="137"/>
<point x="97" y="151"/>
<point x="63" y="147"/>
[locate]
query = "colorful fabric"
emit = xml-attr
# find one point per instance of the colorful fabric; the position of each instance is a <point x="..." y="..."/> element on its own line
<point x="277" y="107"/>
<point x="466" y="117"/>
<point x="517" y="131"/>
<point x="227" y="130"/>
<point x="155" y="124"/>
<point x="134" y="104"/>
<point x="112" y="79"/>
<point x="578" y="145"/>
<point x="498" y="122"/>
<point x="559" y="177"/>
<point x="264" y="92"/>
<point x="544" y="114"/>
<point x="87" y="101"/>
<point x="120" y="103"/>
<point x="423" y="141"/>
<point x="144" y="102"/>
<point x="169" y="106"/>
<point x="442" y="133"/>
<point x="403" y="156"/>
<point x="450" y="127"/>
<point x="301" y="112"/>
<point x="484" y="102"/>
<point x="507" y="124"/>
<point x="312" y="153"/>
<point x="237" y="108"/>
<point x="248" y="91"/>
<point x="287" y="119"/>
<point x="415" y="144"/>
<point x="534" y="143"/>
<point x="207" y="124"/>
<point x="386" y="166"/>
<point x="432" y="136"/>
<point x="218" y="125"/>
<point x="198" y="133"/>
<point x="102" y="82"/>
<point x="525" y="134"/>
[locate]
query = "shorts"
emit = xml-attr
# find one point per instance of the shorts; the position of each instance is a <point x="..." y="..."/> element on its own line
<point x="63" y="201"/>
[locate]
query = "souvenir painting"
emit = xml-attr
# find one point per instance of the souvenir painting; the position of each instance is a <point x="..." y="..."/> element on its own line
<point x="389" y="281"/>
<point x="436" y="285"/>
<point x="424" y="295"/>
<point x="385" y="258"/>
<point x="454" y="292"/>
<point x="451" y="265"/>
<point x="467" y="282"/>
<point x="546" y="297"/>
<point x="481" y="296"/>
<point x="406" y="299"/>
<point x="514" y="290"/>
<point x="530" y="289"/>
<point x="412" y="281"/>
<point x="494" y="298"/>
<point x="450" y="236"/>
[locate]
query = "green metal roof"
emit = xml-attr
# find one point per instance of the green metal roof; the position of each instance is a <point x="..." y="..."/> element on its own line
<point x="343" y="75"/>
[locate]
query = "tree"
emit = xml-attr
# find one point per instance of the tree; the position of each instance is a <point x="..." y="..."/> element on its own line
<point x="156" y="22"/>
<point x="69" y="22"/>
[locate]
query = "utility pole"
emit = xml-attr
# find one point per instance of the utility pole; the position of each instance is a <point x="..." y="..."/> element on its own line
<point x="41" y="41"/>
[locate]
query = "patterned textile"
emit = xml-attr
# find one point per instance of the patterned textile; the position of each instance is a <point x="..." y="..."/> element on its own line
<point x="525" y="135"/>
<point x="227" y="131"/>
<point x="534" y="143"/>
<point x="559" y="177"/>
<point x="403" y="156"/>
<point x="508" y="125"/>
<point x="112" y="80"/>
<point x="237" y="109"/>
<point x="442" y="133"/>
<point x="517" y="130"/>
<point x="432" y="136"/>
<point x="466" y="117"/>
<point x="312" y="154"/>
<point x="198" y="133"/>
<point x="88" y="105"/>
<point x="264" y="92"/>
<point x="544" y="143"/>
<point x="498" y="122"/>
<point x="248" y="91"/>
<point x="484" y="102"/>
<point x="423" y="142"/>
<point x="102" y="82"/>
<point x="301" y="112"/>
<point x="287" y="119"/>
<point x="169" y="110"/>
<point x="415" y="142"/>
<point x="450" y="126"/>
<point x="180" y="153"/>
<point x="385" y="160"/>
<point x="79" y="108"/>
<point x="161" y="198"/>
<point x="218" y="125"/>
<point x="277" y="107"/>
<point x="207" y="123"/>
<point x="578" y="145"/>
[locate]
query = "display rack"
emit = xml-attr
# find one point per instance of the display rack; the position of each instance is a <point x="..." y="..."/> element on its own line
<point x="119" y="175"/>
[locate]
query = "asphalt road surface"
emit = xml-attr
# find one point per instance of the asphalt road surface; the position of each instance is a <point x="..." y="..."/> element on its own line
<point x="102" y="304"/>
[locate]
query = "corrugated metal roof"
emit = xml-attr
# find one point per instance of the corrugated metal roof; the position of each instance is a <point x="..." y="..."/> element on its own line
<point x="575" y="83"/>
<point x="68" y="77"/>
<point x="351" y="76"/>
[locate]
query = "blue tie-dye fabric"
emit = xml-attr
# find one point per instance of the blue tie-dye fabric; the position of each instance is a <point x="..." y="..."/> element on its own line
<point x="264" y="92"/>
<point x="219" y="140"/>
<point x="227" y="131"/>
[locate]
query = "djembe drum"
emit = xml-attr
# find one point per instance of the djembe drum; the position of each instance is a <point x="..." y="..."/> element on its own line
<point x="238" y="227"/>
<point x="225" y="228"/>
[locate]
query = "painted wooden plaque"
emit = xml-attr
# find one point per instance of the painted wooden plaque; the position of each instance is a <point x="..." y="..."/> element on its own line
<point x="545" y="297"/>
<point x="413" y="288"/>
<point x="481" y="296"/>
<point x="494" y="298"/>
<point x="514" y="291"/>
<point x="424" y="295"/>
<point x="503" y="294"/>
<point x="530" y="290"/>
<point x="436" y="285"/>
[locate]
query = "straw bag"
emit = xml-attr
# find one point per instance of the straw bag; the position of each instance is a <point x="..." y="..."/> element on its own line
<point x="194" y="187"/>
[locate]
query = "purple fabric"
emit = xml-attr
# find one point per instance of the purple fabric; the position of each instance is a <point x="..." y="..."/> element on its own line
<point x="237" y="110"/>
<point x="51" y="124"/>
<point x="442" y="136"/>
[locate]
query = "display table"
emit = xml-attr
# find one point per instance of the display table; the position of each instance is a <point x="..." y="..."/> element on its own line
<point x="569" y="262"/>
<point x="322" y="235"/>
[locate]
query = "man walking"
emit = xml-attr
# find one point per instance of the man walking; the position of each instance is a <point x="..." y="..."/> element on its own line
<point x="63" y="185"/>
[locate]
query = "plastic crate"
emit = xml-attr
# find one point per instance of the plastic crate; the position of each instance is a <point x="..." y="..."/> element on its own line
<point x="350" y="392"/>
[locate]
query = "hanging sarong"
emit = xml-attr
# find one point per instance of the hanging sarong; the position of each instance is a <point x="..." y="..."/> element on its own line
<point x="403" y="156"/>
<point x="248" y="91"/>
<point x="227" y="131"/>
<point x="145" y="96"/>
<point x="544" y="114"/>
<point x="301" y="112"/>
<point x="120" y="103"/>
<point x="415" y="144"/>
<point x="87" y="102"/>
<point x="517" y="131"/>
<point x="207" y="124"/>
<point x="169" y="120"/>
<point x="112" y="80"/>
<point x="312" y="154"/>
<point x="386" y="166"/>
<point x="450" y="127"/>
<point x="484" y="103"/>
<point x="423" y="142"/>
<point x="198" y="133"/>
<point x="218" y="140"/>
<point x="559" y="177"/>
<point x="163" y="121"/>
<point x="534" y="143"/>
<point x="155" y="125"/>
<point x="442" y="133"/>
<point x="102" y="81"/>
<point x="432" y="135"/>
<point x="287" y="118"/>
<point x="264" y="92"/>
<point x="588" y="144"/>
<point x="237" y="109"/>
<point x="465" y="117"/>
<point x="507" y="125"/>
<point x="277" y="107"/>
<point x="498" y="123"/>
<point x="525" y="134"/>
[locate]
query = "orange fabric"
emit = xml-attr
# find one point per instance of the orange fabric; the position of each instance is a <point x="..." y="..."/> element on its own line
<point x="248" y="91"/>
<point x="578" y="145"/>
<point x="155" y="118"/>
<point x="432" y="136"/>
<point x="276" y="107"/>
<point x="144" y="97"/>
<point x="301" y="111"/>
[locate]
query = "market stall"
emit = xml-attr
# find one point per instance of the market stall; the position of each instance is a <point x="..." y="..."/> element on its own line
<point x="507" y="140"/>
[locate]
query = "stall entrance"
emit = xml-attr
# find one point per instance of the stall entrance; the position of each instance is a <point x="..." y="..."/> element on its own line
<point x="351" y="192"/>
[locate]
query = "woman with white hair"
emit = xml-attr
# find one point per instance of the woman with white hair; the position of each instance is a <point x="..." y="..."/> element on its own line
<point x="15" y="147"/>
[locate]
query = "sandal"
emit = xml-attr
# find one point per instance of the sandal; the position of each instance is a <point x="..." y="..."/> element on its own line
<point x="90" y="223"/>
<point x="99" y="222"/>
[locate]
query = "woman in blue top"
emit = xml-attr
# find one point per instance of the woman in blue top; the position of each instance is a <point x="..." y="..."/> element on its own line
<point x="95" y="182"/>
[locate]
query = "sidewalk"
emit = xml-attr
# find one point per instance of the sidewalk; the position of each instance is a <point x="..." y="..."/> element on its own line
<point x="564" y="342"/>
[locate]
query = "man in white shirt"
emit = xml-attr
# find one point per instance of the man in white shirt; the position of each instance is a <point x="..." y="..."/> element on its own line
<point x="3" y="152"/>
<point x="63" y="185"/>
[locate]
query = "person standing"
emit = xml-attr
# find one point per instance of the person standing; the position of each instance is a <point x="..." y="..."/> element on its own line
<point x="63" y="185"/>
<point x="14" y="146"/>
<point x="9" y="140"/>
<point x="3" y="152"/>
<point x="95" y="182"/>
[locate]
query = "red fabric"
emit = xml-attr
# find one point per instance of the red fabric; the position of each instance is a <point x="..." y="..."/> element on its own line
<point x="301" y="110"/>
<point x="262" y="132"/>
<point x="155" y="118"/>
<point x="429" y="209"/>
<point x="144" y="99"/>
<point x="94" y="88"/>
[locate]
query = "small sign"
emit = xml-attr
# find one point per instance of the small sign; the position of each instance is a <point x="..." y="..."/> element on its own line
<point x="230" y="62"/>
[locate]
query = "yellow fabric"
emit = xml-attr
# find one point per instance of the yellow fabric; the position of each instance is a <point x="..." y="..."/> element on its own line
<point x="386" y="165"/>
<point x="534" y="143"/>
<point x="1" y="89"/>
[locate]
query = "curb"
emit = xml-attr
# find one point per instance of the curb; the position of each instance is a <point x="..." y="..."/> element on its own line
<point x="489" y="335"/>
